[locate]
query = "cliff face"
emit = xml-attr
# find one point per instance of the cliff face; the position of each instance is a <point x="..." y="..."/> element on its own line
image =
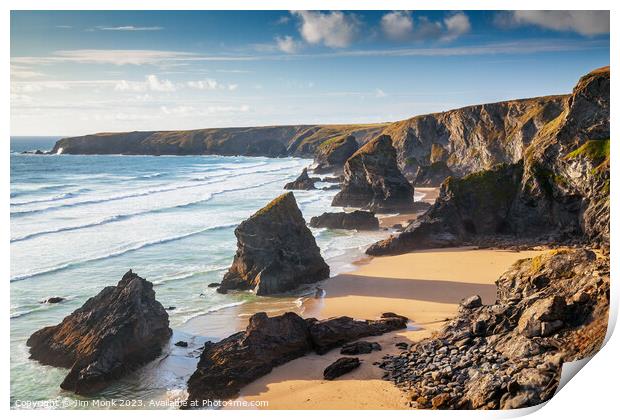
<point x="472" y="138"/>
<point x="557" y="191"/>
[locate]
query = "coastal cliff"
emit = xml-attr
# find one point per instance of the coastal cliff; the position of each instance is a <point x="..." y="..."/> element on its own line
<point x="558" y="191"/>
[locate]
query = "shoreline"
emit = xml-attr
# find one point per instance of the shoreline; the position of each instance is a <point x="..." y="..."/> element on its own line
<point x="426" y="286"/>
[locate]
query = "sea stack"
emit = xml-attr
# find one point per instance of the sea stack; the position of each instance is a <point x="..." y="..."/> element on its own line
<point x="332" y="154"/>
<point x="276" y="251"/>
<point x="373" y="181"/>
<point x="303" y="182"/>
<point x="112" y="334"/>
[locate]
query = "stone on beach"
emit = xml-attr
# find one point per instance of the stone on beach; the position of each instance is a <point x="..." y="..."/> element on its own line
<point x="340" y="367"/>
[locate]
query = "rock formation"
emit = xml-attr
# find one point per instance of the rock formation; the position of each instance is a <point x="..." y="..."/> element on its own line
<point x="432" y="175"/>
<point x="361" y="220"/>
<point x="113" y="333"/>
<point x="303" y="182"/>
<point x="276" y="251"/>
<point x="340" y="367"/>
<point x="550" y="309"/>
<point x="243" y="357"/>
<point x="373" y="181"/>
<point x="559" y="191"/>
<point x="360" y="347"/>
<point x="332" y="154"/>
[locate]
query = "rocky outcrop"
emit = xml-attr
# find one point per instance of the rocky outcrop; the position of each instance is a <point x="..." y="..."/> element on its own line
<point x="334" y="332"/>
<point x="550" y="309"/>
<point x="360" y="347"/>
<point x="303" y="182"/>
<point x="113" y="333"/>
<point x="243" y="357"/>
<point x="360" y="220"/>
<point x="373" y="181"/>
<point x="340" y="367"/>
<point x="558" y="192"/>
<point x="332" y="154"/>
<point x="432" y="175"/>
<point x="276" y="251"/>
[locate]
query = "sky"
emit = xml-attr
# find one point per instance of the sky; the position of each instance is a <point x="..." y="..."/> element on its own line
<point x="75" y="72"/>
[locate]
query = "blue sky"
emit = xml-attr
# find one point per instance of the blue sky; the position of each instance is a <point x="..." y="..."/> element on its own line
<point x="83" y="72"/>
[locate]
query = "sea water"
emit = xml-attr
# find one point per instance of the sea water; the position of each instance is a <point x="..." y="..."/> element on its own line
<point x="78" y="223"/>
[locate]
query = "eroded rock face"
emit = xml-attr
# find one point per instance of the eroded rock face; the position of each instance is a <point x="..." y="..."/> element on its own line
<point x="332" y="154"/>
<point x="358" y="219"/>
<point x="276" y="251"/>
<point x="432" y="175"/>
<point x="303" y="182"/>
<point x="550" y="309"/>
<point x="243" y="357"/>
<point x="558" y="192"/>
<point x="113" y="333"/>
<point x="373" y="181"/>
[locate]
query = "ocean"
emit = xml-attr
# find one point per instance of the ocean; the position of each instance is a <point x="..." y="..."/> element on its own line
<point x="78" y="223"/>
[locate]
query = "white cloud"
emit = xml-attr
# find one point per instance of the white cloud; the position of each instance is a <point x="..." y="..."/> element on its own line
<point x="379" y="93"/>
<point x="190" y="111"/>
<point x="332" y="29"/>
<point x="456" y="25"/>
<point x="401" y="25"/>
<point x="151" y="82"/>
<point x="30" y="87"/>
<point x="397" y="25"/>
<point x="129" y="28"/>
<point x="287" y="44"/>
<point x="210" y="84"/>
<point x="159" y="85"/>
<point x="584" y="22"/>
<point x="24" y="72"/>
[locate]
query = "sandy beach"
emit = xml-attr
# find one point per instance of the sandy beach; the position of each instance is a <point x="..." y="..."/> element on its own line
<point x="425" y="286"/>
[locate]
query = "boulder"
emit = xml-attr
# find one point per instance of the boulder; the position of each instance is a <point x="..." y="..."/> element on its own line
<point x="334" y="332"/>
<point x="276" y="251"/>
<point x="303" y="182"/>
<point x="332" y="154"/>
<point x="361" y="220"/>
<point x="543" y="318"/>
<point x="54" y="299"/>
<point x="472" y="302"/>
<point x="360" y="347"/>
<point x="373" y="181"/>
<point x="113" y="333"/>
<point x="181" y="343"/>
<point x="340" y="367"/>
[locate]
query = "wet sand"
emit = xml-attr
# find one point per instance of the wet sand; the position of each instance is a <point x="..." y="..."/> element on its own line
<point x="425" y="286"/>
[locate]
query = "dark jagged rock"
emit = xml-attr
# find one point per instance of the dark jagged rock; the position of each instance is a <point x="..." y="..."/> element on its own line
<point x="181" y="343"/>
<point x="334" y="332"/>
<point x="333" y="153"/>
<point x="113" y="333"/>
<point x="373" y="181"/>
<point x="213" y="284"/>
<point x="432" y="175"/>
<point x="276" y="251"/>
<point x="243" y="357"/>
<point x="54" y="299"/>
<point x="360" y="347"/>
<point x="303" y="182"/>
<point x="340" y="367"/>
<point x="361" y="220"/>
<point x="551" y="309"/>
